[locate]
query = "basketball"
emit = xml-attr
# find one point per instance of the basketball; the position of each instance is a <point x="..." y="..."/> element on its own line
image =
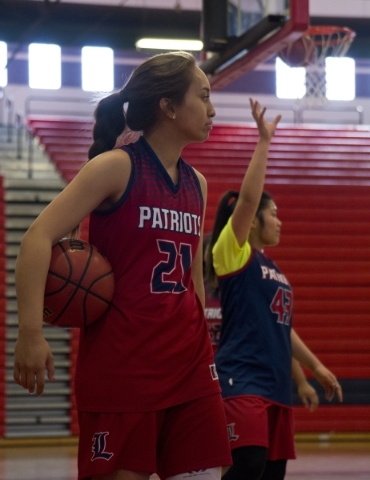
<point x="79" y="285"/>
<point x="300" y="53"/>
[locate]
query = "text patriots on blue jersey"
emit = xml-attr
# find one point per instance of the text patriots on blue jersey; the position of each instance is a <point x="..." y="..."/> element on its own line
<point x="272" y="274"/>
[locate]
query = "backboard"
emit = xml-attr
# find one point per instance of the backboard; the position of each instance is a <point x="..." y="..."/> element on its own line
<point x="238" y="35"/>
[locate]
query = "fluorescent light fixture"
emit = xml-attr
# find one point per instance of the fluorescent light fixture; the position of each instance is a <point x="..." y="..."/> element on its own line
<point x="169" y="44"/>
<point x="3" y="62"/>
<point x="97" y="69"/>
<point x="290" y="82"/>
<point x="340" y="78"/>
<point x="45" y="66"/>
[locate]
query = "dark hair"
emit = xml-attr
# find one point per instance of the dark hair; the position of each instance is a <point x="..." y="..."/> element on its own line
<point x="166" y="75"/>
<point x="224" y="211"/>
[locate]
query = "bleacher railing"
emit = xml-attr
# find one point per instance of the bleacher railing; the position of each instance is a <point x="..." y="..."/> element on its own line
<point x="55" y="107"/>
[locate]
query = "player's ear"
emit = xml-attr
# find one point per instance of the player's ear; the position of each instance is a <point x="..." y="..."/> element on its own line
<point x="255" y="223"/>
<point x="166" y="105"/>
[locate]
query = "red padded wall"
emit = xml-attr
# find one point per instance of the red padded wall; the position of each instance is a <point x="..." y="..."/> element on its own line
<point x="320" y="179"/>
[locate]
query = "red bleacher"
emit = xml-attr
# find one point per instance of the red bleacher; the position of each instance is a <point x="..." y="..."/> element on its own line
<point x="66" y="140"/>
<point x="2" y="311"/>
<point x="320" y="180"/>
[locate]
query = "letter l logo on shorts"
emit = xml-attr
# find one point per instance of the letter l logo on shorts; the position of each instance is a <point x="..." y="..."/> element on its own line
<point x="98" y="448"/>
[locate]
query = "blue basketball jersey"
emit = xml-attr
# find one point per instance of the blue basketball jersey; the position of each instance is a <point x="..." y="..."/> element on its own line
<point x="254" y="354"/>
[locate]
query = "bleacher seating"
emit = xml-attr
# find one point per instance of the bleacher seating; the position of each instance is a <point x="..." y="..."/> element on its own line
<point x="65" y="139"/>
<point x="320" y="180"/>
<point x="2" y="311"/>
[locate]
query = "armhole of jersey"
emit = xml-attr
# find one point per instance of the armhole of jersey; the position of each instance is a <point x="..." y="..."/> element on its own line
<point x="241" y="269"/>
<point x="125" y="193"/>
<point x="196" y="181"/>
<point x="233" y="262"/>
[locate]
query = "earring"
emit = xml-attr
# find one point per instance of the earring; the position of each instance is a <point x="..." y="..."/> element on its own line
<point x="173" y="117"/>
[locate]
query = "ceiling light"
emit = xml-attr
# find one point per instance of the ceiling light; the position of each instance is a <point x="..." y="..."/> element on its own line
<point x="169" y="44"/>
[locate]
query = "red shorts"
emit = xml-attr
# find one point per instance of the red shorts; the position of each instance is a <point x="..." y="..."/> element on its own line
<point x="190" y="436"/>
<point x="252" y="420"/>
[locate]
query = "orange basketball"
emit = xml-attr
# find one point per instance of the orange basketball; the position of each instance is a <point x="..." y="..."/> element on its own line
<point x="300" y="53"/>
<point x="79" y="286"/>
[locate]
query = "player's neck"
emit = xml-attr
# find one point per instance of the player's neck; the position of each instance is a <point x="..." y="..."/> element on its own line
<point x="167" y="151"/>
<point x="255" y="243"/>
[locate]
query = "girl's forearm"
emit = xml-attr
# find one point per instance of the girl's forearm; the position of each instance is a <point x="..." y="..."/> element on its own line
<point x="30" y="277"/>
<point x="302" y="353"/>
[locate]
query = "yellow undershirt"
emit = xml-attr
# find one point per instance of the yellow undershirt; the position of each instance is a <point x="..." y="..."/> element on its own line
<point x="228" y="256"/>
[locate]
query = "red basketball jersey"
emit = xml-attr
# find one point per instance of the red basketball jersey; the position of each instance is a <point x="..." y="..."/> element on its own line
<point x="152" y="349"/>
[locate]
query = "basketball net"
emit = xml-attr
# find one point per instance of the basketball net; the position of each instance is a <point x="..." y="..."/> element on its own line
<point x="321" y="42"/>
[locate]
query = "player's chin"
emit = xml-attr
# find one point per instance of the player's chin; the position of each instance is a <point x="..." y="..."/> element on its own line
<point x="205" y="136"/>
<point x="275" y="241"/>
<point x="202" y="135"/>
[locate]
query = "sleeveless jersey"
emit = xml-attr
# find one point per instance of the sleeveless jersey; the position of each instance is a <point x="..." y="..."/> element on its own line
<point x="152" y="348"/>
<point x="254" y="354"/>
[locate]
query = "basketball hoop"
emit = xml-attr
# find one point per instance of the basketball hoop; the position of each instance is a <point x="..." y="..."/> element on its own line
<point x="311" y="50"/>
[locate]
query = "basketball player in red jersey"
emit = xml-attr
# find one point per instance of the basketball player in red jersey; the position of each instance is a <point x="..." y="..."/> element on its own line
<point x="147" y="390"/>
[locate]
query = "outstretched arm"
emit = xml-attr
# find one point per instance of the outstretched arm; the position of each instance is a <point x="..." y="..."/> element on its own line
<point x="306" y="392"/>
<point x="305" y="357"/>
<point x="252" y="185"/>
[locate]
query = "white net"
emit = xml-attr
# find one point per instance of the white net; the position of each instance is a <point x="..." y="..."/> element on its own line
<point x="329" y="42"/>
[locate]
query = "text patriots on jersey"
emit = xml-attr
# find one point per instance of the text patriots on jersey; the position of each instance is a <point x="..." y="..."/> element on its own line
<point x="213" y="371"/>
<point x="166" y="219"/>
<point x="213" y="313"/>
<point x="272" y="274"/>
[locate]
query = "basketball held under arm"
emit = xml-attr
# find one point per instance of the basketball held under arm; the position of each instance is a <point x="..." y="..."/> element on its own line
<point x="96" y="182"/>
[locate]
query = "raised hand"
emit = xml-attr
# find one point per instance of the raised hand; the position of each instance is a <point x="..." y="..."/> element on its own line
<point x="266" y="130"/>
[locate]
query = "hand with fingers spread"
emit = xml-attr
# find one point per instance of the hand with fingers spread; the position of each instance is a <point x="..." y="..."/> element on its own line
<point x="266" y="130"/>
<point x="329" y="382"/>
<point x="32" y="356"/>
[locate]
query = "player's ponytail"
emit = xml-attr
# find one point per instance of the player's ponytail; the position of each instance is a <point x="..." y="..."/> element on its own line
<point x="224" y="212"/>
<point x="109" y="123"/>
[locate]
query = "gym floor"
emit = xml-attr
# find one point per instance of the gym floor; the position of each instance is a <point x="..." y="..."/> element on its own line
<point x="344" y="460"/>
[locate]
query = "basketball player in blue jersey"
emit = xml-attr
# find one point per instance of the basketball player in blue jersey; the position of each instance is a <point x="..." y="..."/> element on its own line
<point x="213" y="314"/>
<point x="257" y="342"/>
<point x="147" y="390"/>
